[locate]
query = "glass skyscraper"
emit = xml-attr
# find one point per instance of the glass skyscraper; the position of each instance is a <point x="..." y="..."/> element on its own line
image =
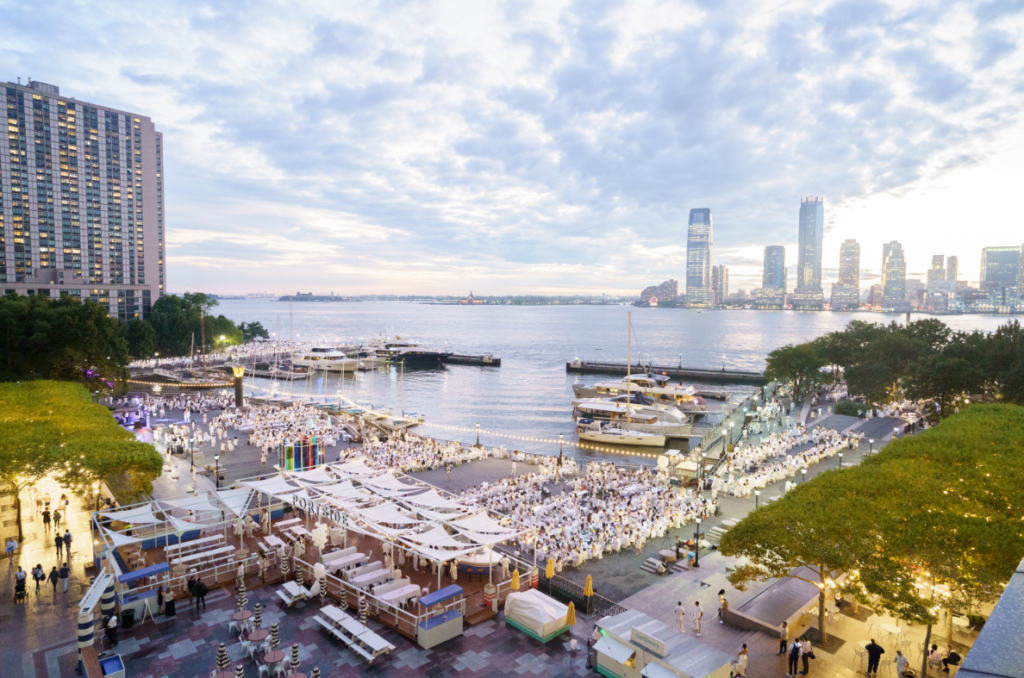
<point x="81" y="201"/>
<point x="774" y="275"/>
<point x="849" y="264"/>
<point x="699" y="245"/>
<point x="1000" y="268"/>
<point x="812" y="225"/>
<point x="894" y="274"/>
<point x="951" y="269"/>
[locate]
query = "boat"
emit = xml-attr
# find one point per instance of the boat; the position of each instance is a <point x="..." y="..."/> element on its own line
<point x="655" y="387"/>
<point x="326" y="358"/>
<point x="608" y="432"/>
<point x="639" y="419"/>
<point x="664" y="411"/>
<point x="396" y="349"/>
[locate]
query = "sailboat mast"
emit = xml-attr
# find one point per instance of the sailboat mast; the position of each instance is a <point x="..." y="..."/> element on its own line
<point x="629" y="359"/>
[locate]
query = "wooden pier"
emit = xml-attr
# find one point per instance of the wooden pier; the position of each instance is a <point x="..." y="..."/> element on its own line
<point x="722" y="376"/>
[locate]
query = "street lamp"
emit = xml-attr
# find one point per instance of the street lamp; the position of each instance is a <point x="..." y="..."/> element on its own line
<point x="840" y="460"/>
<point x="478" y="435"/>
<point x="895" y="431"/>
<point x="559" y="450"/>
<point x="216" y="458"/>
<point x="803" y="475"/>
<point x="757" y="498"/>
<point x="696" y="546"/>
<point x="96" y="486"/>
<point x="871" y="446"/>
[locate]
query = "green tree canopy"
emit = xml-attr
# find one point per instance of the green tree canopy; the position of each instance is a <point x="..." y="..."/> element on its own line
<point x="800" y="364"/>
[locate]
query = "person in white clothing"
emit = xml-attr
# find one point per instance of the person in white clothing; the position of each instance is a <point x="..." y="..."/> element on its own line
<point x="698" y="614"/>
<point x="681" y="617"/>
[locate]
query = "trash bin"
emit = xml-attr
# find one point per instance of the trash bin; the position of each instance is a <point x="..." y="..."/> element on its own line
<point x="127" y="618"/>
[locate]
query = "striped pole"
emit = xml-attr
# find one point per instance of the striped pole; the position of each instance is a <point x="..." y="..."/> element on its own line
<point x="222" y="657"/>
<point x="323" y="590"/>
<point x="295" y="658"/>
<point x="362" y="610"/>
<point x="275" y="638"/>
<point x="316" y="672"/>
<point x="243" y="600"/>
<point x="107" y="602"/>
<point x="257" y="619"/>
<point x="298" y="576"/>
<point x="239" y="671"/>
<point x="85" y="630"/>
<point x="343" y="602"/>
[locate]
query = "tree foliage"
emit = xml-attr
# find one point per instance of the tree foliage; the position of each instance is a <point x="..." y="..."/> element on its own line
<point x="55" y="429"/>
<point x="183" y="322"/>
<point x="800" y="364"/>
<point x="61" y="339"/>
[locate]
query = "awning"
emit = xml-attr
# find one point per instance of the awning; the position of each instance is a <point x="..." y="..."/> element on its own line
<point x="118" y="539"/>
<point x="354" y="469"/>
<point x="481" y="522"/>
<point x="435" y="536"/>
<point x="385" y="513"/>
<point x="620" y="652"/>
<point x="199" y="502"/>
<point x="656" y="670"/>
<point x="433" y="499"/>
<point x="142" y="515"/>
<point x="181" y="525"/>
<point x="388" y="484"/>
<point x="274" y="486"/>
<point x="315" y="476"/>
<point x="236" y="500"/>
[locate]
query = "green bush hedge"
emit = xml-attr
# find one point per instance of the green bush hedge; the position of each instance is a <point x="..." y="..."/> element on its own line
<point x="850" y="408"/>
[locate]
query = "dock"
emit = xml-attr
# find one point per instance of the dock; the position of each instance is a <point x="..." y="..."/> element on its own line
<point x="482" y="360"/>
<point x="700" y="375"/>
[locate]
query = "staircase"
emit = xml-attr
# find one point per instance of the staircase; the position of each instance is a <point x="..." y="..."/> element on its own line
<point x="714" y="535"/>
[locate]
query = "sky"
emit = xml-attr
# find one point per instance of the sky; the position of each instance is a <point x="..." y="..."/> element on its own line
<point x="548" y="147"/>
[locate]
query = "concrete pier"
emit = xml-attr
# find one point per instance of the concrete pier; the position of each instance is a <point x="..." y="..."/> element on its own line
<point x="722" y="376"/>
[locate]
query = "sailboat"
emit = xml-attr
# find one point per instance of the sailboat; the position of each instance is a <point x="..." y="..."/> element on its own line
<point x="608" y="431"/>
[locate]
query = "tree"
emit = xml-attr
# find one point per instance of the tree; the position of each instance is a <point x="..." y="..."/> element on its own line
<point x="811" y="533"/>
<point x="949" y="375"/>
<point x="800" y="364"/>
<point x="141" y="338"/>
<point x="252" y="331"/>
<point x="54" y="429"/>
<point x="1005" y="350"/>
<point x="184" y="322"/>
<point x="878" y="374"/>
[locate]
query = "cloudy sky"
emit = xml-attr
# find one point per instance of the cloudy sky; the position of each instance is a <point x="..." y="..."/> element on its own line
<point x="543" y="147"/>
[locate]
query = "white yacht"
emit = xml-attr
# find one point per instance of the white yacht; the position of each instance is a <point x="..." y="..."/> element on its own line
<point x="607" y="432"/>
<point x="655" y="387"/>
<point x="632" y="417"/>
<point x="396" y="349"/>
<point x="326" y="358"/>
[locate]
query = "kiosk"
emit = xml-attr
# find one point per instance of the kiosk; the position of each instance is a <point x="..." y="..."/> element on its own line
<point x="443" y="626"/>
<point x="634" y="645"/>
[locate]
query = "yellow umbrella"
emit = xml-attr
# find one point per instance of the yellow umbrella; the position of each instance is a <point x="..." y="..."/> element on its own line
<point x="515" y="580"/>
<point x="588" y="588"/>
<point x="570" y="616"/>
<point x="549" y="571"/>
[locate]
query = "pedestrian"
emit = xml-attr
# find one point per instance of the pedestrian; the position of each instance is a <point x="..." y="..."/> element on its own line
<point x="39" y="576"/>
<point x="67" y="542"/>
<point x="58" y="541"/>
<point x="513" y="469"/>
<point x="240" y="575"/>
<point x="65" y="574"/>
<point x="56" y="518"/>
<point x="160" y="600"/>
<point x="901" y="664"/>
<point x="448" y="470"/>
<point x="11" y="546"/>
<point x="698" y="615"/>
<point x="46" y="521"/>
<point x="46" y="500"/>
<point x="39" y="504"/>
<point x="794" y="659"/>
<point x="681" y="617"/>
<point x="739" y="667"/>
<point x="53" y="577"/>
<point x="679" y="547"/>
<point x="783" y="637"/>
<point x="952" y="659"/>
<point x="875" y="653"/>
<point x="21" y="575"/>
<point x="191" y="586"/>
<point x="111" y="627"/>
<point x="806" y="654"/>
<point x="201" y="591"/>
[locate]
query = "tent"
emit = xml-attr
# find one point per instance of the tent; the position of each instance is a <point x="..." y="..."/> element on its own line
<point x="140" y="516"/>
<point x="536" y="615"/>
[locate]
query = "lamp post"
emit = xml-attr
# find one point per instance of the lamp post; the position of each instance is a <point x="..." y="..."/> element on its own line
<point x="216" y="458"/>
<point x="803" y="475"/>
<point x="239" y="372"/>
<point x="96" y="487"/>
<point x="696" y="546"/>
<point x="840" y="461"/>
<point x="731" y="425"/>
<point x="757" y="498"/>
<point x="871" y="446"/>
<point x="478" y="435"/>
<point x="559" y="450"/>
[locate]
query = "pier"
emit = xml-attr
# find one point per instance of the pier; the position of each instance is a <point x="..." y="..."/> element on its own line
<point x="722" y="376"/>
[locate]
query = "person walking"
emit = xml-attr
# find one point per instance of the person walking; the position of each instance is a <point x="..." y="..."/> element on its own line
<point x="12" y="545"/>
<point x="698" y="615"/>
<point x="39" y="576"/>
<point x="53" y="578"/>
<point x="723" y="605"/>
<point x="901" y="664"/>
<point x="65" y="575"/>
<point x="681" y="617"/>
<point x="448" y="470"/>
<point x="783" y="637"/>
<point x="58" y="541"/>
<point x="794" y="659"/>
<point x="111" y="628"/>
<point x="67" y="543"/>
<point x="46" y="521"/>
<point x="875" y="653"/>
<point x="191" y="586"/>
<point x="739" y="668"/>
<point x="56" y="518"/>
<point x="806" y="655"/>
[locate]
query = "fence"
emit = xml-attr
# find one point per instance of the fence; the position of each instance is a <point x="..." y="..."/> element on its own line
<point x="569" y="591"/>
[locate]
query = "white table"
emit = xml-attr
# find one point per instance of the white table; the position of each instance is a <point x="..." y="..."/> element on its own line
<point x="301" y="531"/>
<point x="203" y="555"/>
<point x="891" y="630"/>
<point x="371" y="578"/>
<point x="274" y="541"/>
<point x="344" y="562"/>
<point x="188" y="547"/>
<point x="290" y="521"/>
<point x="400" y="595"/>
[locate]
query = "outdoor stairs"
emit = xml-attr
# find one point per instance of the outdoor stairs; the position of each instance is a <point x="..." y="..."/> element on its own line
<point x="714" y="535"/>
<point x="650" y="566"/>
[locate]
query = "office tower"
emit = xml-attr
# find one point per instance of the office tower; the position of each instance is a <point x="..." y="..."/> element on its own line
<point x="849" y="264"/>
<point x="719" y="284"/>
<point x="938" y="270"/>
<point x="1020" y="271"/>
<point x="81" y="201"/>
<point x="812" y="224"/>
<point x="894" y="275"/>
<point x="951" y="272"/>
<point x="1000" y="268"/>
<point x="699" y="246"/>
<point x="774" y="274"/>
<point x="876" y="296"/>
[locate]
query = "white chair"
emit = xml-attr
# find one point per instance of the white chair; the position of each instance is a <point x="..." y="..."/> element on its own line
<point x="263" y="669"/>
<point x="233" y="627"/>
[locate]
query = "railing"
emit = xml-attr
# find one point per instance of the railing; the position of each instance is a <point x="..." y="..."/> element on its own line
<point x="568" y="590"/>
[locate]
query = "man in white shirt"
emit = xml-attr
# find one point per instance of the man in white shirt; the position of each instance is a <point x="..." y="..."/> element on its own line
<point x="681" y="617"/>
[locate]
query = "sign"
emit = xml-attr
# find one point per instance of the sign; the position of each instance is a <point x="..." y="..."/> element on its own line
<point x="648" y="642"/>
<point x="318" y="510"/>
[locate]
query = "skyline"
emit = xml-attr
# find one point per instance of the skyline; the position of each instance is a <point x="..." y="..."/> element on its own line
<point x="553" y="148"/>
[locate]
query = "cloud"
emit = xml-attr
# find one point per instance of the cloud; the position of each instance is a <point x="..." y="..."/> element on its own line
<point x="526" y="144"/>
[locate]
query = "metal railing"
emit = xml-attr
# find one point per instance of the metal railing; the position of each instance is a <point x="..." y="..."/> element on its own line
<point x="570" y="591"/>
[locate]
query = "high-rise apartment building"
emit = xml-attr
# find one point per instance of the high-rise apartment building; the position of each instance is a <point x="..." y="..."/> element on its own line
<point x="1000" y="268"/>
<point x="1020" y="271"/>
<point x="719" y="284"/>
<point x="774" y="275"/>
<point x="894" y="275"/>
<point x="812" y="225"/>
<point x="938" y="270"/>
<point x="951" y="269"/>
<point x="81" y="201"/>
<point x="849" y="264"/>
<point x="699" y="250"/>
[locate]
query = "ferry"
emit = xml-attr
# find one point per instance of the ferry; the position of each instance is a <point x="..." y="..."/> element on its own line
<point x="325" y="358"/>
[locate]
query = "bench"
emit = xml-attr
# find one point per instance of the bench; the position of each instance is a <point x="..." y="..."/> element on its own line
<point x="350" y="644"/>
